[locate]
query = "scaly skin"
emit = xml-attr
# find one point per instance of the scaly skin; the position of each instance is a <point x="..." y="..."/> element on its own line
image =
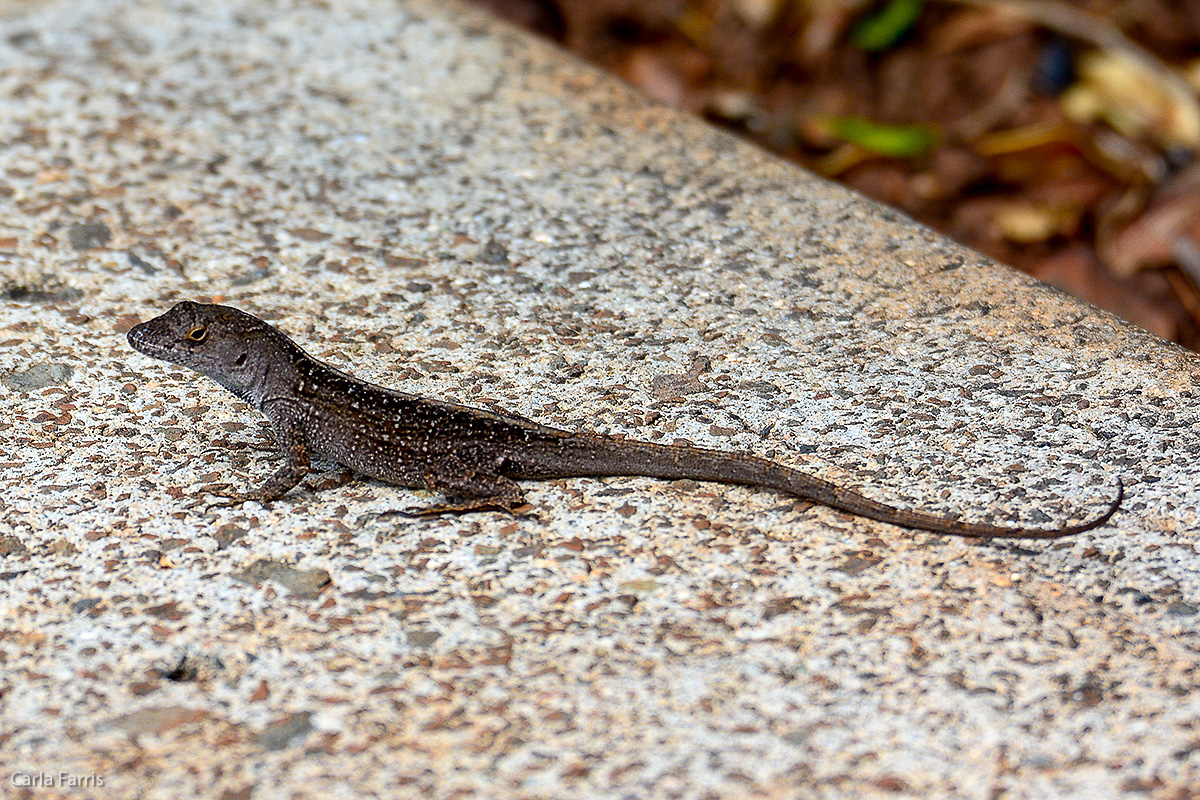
<point x="468" y="453"/>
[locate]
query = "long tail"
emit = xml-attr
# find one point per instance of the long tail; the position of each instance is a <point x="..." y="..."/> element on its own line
<point x="582" y="454"/>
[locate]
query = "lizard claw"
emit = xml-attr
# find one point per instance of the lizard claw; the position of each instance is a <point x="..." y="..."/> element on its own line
<point x="232" y="502"/>
<point x="416" y="512"/>
<point x="232" y="496"/>
<point x="225" y="490"/>
<point x="520" y="509"/>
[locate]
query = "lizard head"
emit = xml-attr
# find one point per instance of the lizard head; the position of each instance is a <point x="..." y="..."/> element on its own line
<point x="225" y="344"/>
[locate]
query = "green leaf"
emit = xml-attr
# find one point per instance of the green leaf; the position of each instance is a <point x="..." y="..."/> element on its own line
<point x="902" y="141"/>
<point x="884" y="28"/>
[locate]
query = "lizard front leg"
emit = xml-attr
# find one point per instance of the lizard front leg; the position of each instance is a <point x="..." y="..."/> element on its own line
<point x="294" y="451"/>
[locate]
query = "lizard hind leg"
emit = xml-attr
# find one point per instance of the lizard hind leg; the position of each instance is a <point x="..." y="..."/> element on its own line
<point x="478" y="492"/>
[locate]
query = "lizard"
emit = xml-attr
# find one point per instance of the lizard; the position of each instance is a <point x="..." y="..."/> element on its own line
<point x="470" y="454"/>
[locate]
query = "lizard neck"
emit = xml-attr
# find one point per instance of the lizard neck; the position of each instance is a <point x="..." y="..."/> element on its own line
<point x="274" y="372"/>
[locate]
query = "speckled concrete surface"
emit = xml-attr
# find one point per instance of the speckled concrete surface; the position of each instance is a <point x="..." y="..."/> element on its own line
<point x="450" y="209"/>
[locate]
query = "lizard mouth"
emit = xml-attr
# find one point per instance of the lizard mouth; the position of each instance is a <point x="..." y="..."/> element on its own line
<point x="138" y="338"/>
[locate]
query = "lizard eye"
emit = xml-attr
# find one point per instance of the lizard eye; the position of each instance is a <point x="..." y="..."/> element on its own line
<point x="197" y="333"/>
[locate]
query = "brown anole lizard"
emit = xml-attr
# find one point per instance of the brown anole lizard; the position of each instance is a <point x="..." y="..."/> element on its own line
<point x="466" y="453"/>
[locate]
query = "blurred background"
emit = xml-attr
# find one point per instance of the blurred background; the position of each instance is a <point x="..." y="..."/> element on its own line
<point x="1060" y="138"/>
